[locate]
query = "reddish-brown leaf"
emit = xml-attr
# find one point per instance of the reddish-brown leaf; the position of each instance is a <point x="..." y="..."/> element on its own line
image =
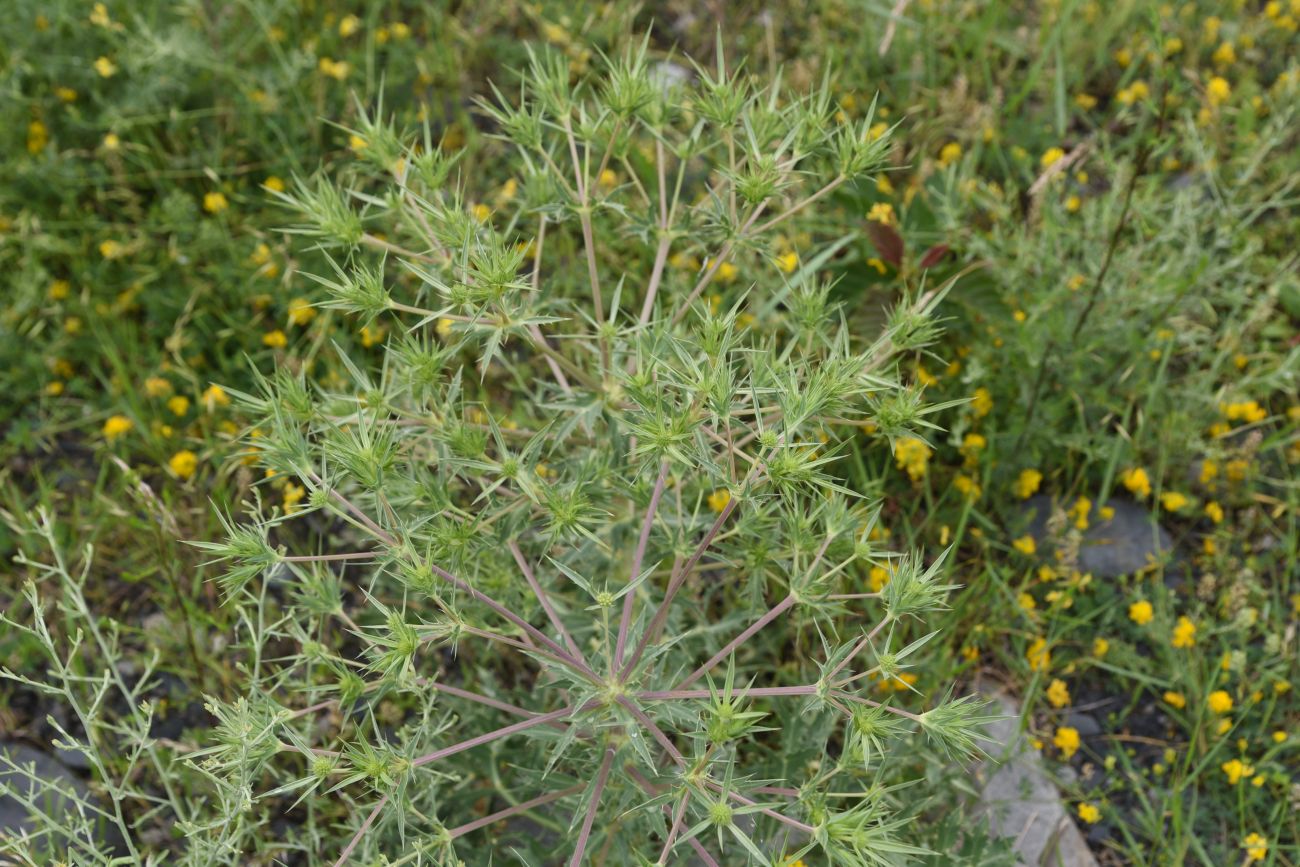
<point x="934" y="255"/>
<point x="887" y="242"/>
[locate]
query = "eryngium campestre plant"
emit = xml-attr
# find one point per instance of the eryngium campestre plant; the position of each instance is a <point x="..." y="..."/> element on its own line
<point x="585" y="563"/>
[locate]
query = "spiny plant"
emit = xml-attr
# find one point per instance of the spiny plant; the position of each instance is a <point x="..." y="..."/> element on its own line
<point x="587" y="504"/>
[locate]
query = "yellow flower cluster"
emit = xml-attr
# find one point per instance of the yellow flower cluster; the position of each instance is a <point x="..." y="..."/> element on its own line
<point x="913" y="456"/>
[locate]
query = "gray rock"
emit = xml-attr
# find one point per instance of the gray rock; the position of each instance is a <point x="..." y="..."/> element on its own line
<point x="1085" y="723"/>
<point x="53" y="775"/>
<point x="1131" y="540"/>
<point x="55" y="788"/>
<point x="1020" y="801"/>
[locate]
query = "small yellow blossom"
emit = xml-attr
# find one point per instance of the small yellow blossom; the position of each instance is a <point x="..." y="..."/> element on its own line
<point x="913" y="455"/>
<point x="38" y="136"/>
<point x="111" y="249"/>
<point x="1058" y="693"/>
<point x="349" y="25"/>
<point x="105" y="67"/>
<point x="1235" y="769"/>
<point x="1027" y="483"/>
<point x="1051" y="156"/>
<point x="1141" y="612"/>
<point x="1137" y="482"/>
<point x="1224" y="55"/>
<point x="1038" y="655"/>
<point x="1026" y="601"/>
<point x="301" y="312"/>
<point x="157" y="386"/>
<point x="949" y="154"/>
<point x="787" y="262"/>
<point x="275" y="339"/>
<point x="1172" y="501"/>
<point x="1214" y="512"/>
<point x="112" y="142"/>
<point x="293" y="495"/>
<point x="878" y="578"/>
<point x="184" y="463"/>
<point x="1100" y="647"/>
<point x="215" y="396"/>
<point x="981" y="402"/>
<point x="1175" y="699"/>
<point x="59" y="290"/>
<point x="1089" y="813"/>
<point x="1067" y="741"/>
<point x="1219" y="701"/>
<point x="1079" y="511"/>
<point x="274" y="183"/>
<point x="1256" y="847"/>
<point x="1184" y="635"/>
<point x="881" y="212"/>
<point x="335" y="69"/>
<point x="1217" y="91"/>
<point x="178" y="404"/>
<point x="1025" y="545"/>
<point x="116" y="426"/>
<point x="719" y="499"/>
<point x="1279" y="736"/>
<point x="215" y="203"/>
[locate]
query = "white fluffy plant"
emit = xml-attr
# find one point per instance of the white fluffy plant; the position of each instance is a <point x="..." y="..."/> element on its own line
<point x="585" y="585"/>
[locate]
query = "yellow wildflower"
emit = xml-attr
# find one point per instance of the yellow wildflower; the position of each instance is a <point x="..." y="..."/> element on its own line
<point x="301" y="312"/>
<point x="215" y="203"/>
<point x="881" y="212"/>
<point x="787" y="262"/>
<point x="179" y="404"/>
<point x="105" y="67"/>
<point x="115" y="426"/>
<point x="38" y="136"/>
<point x="275" y="339"/>
<point x="349" y="25"/>
<point x="1038" y="655"/>
<point x="214" y="397"/>
<point x="1256" y="847"/>
<point x="1067" y="741"/>
<point x="335" y="69"/>
<point x="878" y="578"/>
<point x="1172" y="501"/>
<point x="1219" y="701"/>
<point x="1025" y="545"/>
<point x="949" y="154"/>
<point x="1100" y="647"/>
<point x="719" y="499"/>
<point x="1058" y="693"/>
<point x="1184" y="633"/>
<point x="1137" y="482"/>
<point x="1175" y="699"/>
<point x="1027" y="483"/>
<point x="1026" y="601"/>
<point x="293" y="494"/>
<point x="913" y="455"/>
<point x="981" y="402"/>
<point x="274" y="183"/>
<point x="1089" y="813"/>
<point x="1217" y="91"/>
<point x="1051" y="156"/>
<point x="184" y="463"/>
<point x="1141" y="612"/>
<point x="1235" y="769"/>
<point x="157" y="386"/>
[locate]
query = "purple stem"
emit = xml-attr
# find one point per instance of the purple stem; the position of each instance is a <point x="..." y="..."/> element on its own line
<point x="551" y="613"/>
<point x="750" y="692"/>
<point x="674" y="584"/>
<point x="491" y="736"/>
<point x="857" y="649"/>
<point x="602" y="777"/>
<point x="470" y="827"/>
<point x="361" y="832"/>
<point x="776" y="611"/>
<point x="514" y="618"/>
<point x="638" y="557"/>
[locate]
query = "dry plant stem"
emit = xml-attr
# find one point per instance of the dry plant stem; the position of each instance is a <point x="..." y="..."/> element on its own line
<point x="674" y="584"/>
<point x="707" y="276"/>
<point x="361" y="832"/>
<point x="495" y="734"/>
<point x="396" y="250"/>
<point x="858" y="648"/>
<point x="551" y="613"/>
<point x="775" y="612"/>
<point x="675" y="829"/>
<point x="602" y="777"/>
<point x="638" y="557"/>
<point x="523" y="807"/>
<point x="650" y="789"/>
<point x="588" y="239"/>
<point x="327" y="558"/>
<point x="528" y="628"/>
<point x="794" y="209"/>
<point x="747" y="692"/>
